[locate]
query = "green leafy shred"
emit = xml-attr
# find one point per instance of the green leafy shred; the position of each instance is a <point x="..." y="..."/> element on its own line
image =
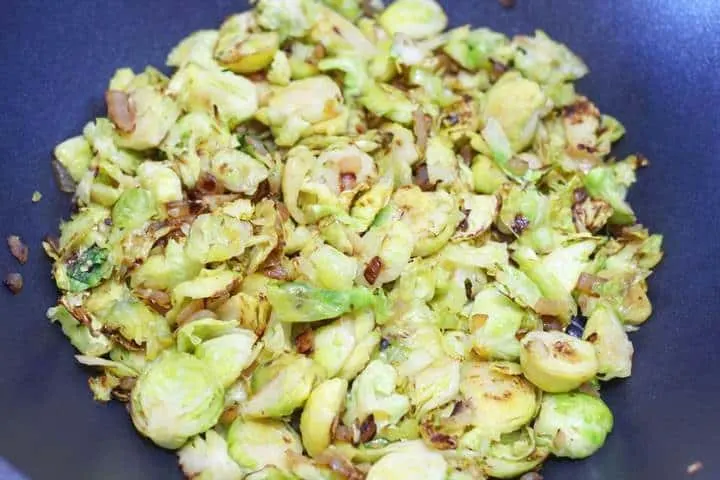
<point x="89" y="269"/>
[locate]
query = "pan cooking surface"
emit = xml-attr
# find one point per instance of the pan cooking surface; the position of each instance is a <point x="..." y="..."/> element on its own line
<point x="653" y="64"/>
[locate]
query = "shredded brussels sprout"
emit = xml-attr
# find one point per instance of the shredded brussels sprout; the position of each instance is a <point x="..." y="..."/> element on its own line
<point x="340" y="242"/>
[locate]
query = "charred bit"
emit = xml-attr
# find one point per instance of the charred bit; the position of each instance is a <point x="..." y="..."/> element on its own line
<point x="372" y="269"/>
<point x="14" y="282"/>
<point x="421" y="179"/>
<point x="367" y="429"/>
<point x="304" y="342"/>
<point x="520" y="224"/>
<point x="18" y="249"/>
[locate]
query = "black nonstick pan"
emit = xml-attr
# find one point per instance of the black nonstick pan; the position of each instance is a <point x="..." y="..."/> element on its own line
<point x="655" y="65"/>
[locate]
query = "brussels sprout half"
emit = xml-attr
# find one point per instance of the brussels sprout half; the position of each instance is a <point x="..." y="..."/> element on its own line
<point x="241" y="51"/>
<point x="256" y="444"/>
<point x="227" y="356"/>
<point x="573" y="425"/>
<point x="501" y="400"/>
<point x="614" y="350"/>
<point x="289" y="18"/>
<point x="160" y="180"/>
<point x="214" y="238"/>
<point x="75" y="155"/>
<point x="543" y="60"/>
<point x="556" y="361"/>
<point x="133" y="208"/>
<point x="321" y="411"/>
<point x="414" y="18"/>
<point x="416" y="461"/>
<point x="174" y="399"/>
<point x="497" y="319"/>
<point x="340" y="345"/>
<point x="514" y="454"/>
<point x="207" y="458"/>
<point x="477" y="49"/>
<point x="435" y="386"/>
<point x="233" y="97"/>
<point x="280" y="387"/>
<point x="432" y="217"/>
<point x="141" y="112"/>
<point x="605" y="183"/>
<point x="195" y="48"/>
<point x="304" y="107"/>
<point x="520" y="117"/>
<point x="373" y="393"/>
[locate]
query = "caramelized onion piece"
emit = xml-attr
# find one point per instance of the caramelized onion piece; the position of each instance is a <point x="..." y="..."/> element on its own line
<point x="18" y="249"/>
<point x="120" y="110"/>
<point x="587" y="283"/>
<point x="421" y="128"/>
<point x="341" y="465"/>
<point x="372" y="269"/>
<point x="343" y="433"/>
<point x="347" y="181"/>
<point x="187" y="313"/>
<point x="304" y="342"/>
<point x="421" y="178"/>
<point x="158" y="300"/>
<point x="367" y="429"/>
